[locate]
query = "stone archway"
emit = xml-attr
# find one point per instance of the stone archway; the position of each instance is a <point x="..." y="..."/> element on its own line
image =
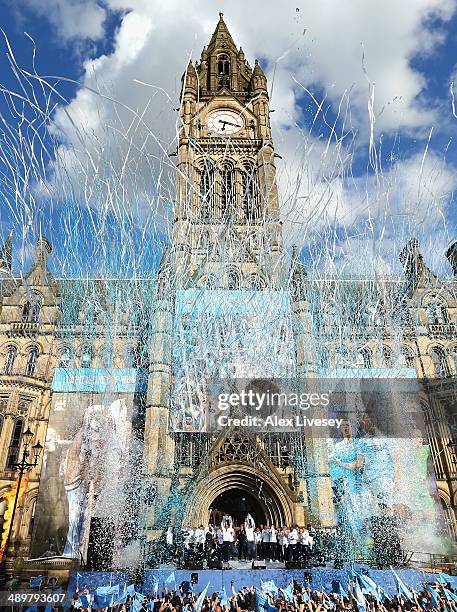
<point x="269" y="493"/>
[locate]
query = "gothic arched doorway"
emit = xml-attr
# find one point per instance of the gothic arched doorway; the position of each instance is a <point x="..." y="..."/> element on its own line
<point x="237" y="503"/>
<point x="261" y="489"/>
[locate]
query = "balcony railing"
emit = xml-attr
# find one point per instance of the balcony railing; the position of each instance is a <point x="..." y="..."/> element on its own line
<point x="442" y="330"/>
<point x="37" y="374"/>
<point x="23" y="328"/>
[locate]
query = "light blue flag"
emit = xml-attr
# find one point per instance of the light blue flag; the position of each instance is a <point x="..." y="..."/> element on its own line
<point x="289" y="593"/>
<point x="131" y="590"/>
<point x="201" y="598"/>
<point x="155" y="585"/>
<point x="360" y="599"/>
<point x="340" y="589"/>
<point x="136" y="604"/>
<point x="224" y="599"/>
<point x="402" y="589"/>
<point x="369" y="586"/>
<point x="434" y="597"/>
<point x="450" y="596"/>
<point x="107" y="590"/>
<point x="263" y="603"/>
<point x="171" y="578"/>
<point x="35" y="582"/>
<point x="268" y="586"/>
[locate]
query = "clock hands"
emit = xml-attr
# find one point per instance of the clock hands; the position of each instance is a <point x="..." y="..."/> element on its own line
<point x="224" y="123"/>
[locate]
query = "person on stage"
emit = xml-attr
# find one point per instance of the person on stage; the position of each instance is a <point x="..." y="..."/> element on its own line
<point x="228" y="536"/>
<point x="273" y="543"/>
<point x="249" y="528"/>
<point x="293" y="542"/>
<point x="266" y="543"/>
<point x="283" y="543"/>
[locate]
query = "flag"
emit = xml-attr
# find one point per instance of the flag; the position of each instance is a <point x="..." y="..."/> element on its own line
<point x="434" y="597"/>
<point x="171" y="578"/>
<point x="78" y="576"/>
<point x="131" y="590"/>
<point x="289" y="593"/>
<point x="450" y="596"/>
<point x="360" y="599"/>
<point x="201" y="598"/>
<point x="137" y="602"/>
<point x="263" y="603"/>
<point x="402" y="589"/>
<point x="155" y="585"/>
<point x="339" y="589"/>
<point x="107" y="590"/>
<point x="224" y="598"/>
<point x="84" y="601"/>
<point x="268" y="586"/>
<point x="369" y="585"/>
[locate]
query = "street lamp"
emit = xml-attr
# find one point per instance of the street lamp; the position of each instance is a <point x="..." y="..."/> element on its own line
<point x="22" y="467"/>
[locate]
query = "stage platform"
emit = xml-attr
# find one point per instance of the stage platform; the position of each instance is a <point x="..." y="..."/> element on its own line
<point x="316" y="578"/>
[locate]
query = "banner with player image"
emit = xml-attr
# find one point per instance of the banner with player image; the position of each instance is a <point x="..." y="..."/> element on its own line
<point x="84" y="472"/>
<point x="222" y="334"/>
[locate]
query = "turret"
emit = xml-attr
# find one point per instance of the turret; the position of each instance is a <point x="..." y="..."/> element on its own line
<point x="43" y="248"/>
<point x="259" y="80"/>
<point x="451" y="254"/>
<point x="6" y="255"/>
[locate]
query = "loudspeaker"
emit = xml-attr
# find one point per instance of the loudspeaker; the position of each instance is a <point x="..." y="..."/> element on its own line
<point x="193" y="566"/>
<point x="294" y="565"/>
<point x="259" y="565"/>
<point x="216" y="564"/>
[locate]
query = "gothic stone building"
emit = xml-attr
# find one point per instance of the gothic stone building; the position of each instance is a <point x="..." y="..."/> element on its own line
<point x="227" y="236"/>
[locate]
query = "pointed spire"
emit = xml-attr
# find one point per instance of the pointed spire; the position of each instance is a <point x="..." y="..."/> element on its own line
<point x="451" y="254"/>
<point x="221" y="37"/>
<point x="43" y="248"/>
<point x="258" y="79"/>
<point x="6" y="254"/>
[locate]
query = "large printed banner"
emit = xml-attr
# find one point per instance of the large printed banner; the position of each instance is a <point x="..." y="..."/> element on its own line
<point x="226" y="334"/>
<point x="85" y="463"/>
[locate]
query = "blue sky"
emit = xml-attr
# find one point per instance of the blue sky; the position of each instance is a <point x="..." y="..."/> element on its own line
<point x="401" y="57"/>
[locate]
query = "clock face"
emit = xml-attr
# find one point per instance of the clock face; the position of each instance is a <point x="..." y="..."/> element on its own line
<point x="225" y="122"/>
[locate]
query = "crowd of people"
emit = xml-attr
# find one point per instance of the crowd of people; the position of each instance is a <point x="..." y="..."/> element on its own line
<point x="296" y="597"/>
<point x="243" y="542"/>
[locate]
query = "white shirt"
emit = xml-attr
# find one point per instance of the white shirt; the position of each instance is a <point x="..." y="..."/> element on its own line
<point x="283" y="539"/>
<point x="273" y="535"/>
<point x="266" y="535"/>
<point x="219" y="536"/>
<point x="199" y="536"/>
<point x="293" y="537"/>
<point x="250" y="537"/>
<point x="228" y="534"/>
<point x="169" y="536"/>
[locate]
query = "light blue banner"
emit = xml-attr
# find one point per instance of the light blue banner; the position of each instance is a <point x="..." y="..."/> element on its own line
<point x="99" y="380"/>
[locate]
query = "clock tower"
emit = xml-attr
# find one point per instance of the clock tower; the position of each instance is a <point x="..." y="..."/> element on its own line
<point x="227" y="232"/>
<point x="223" y="311"/>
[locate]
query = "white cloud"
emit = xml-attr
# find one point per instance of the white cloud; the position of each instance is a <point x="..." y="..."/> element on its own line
<point x="337" y="46"/>
<point x="72" y="19"/>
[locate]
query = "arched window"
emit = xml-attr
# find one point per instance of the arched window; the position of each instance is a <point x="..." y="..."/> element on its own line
<point x="227" y="188"/>
<point x="210" y="281"/>
<point x="32" y="361"/>
<point x="223" y="71"/>
<point x="364" y="358"/>
<point x="407" y="357"/>
<point x="13" y="452"/>
<point x="31" y="310"/>
<point x="25" y="312"/>
<point x="65" y="357"/>
<point x="86" y="357"/>
<point x="250" y="190"/>
<point x="387" y="354"/>
<point x="439" y="360"/>
<point x="206" y="193"/>
<point x="11" y="353"/>
<point x="437" y="312"/>
<point x="256" y="282"/>
<point x="233" y="279"/>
